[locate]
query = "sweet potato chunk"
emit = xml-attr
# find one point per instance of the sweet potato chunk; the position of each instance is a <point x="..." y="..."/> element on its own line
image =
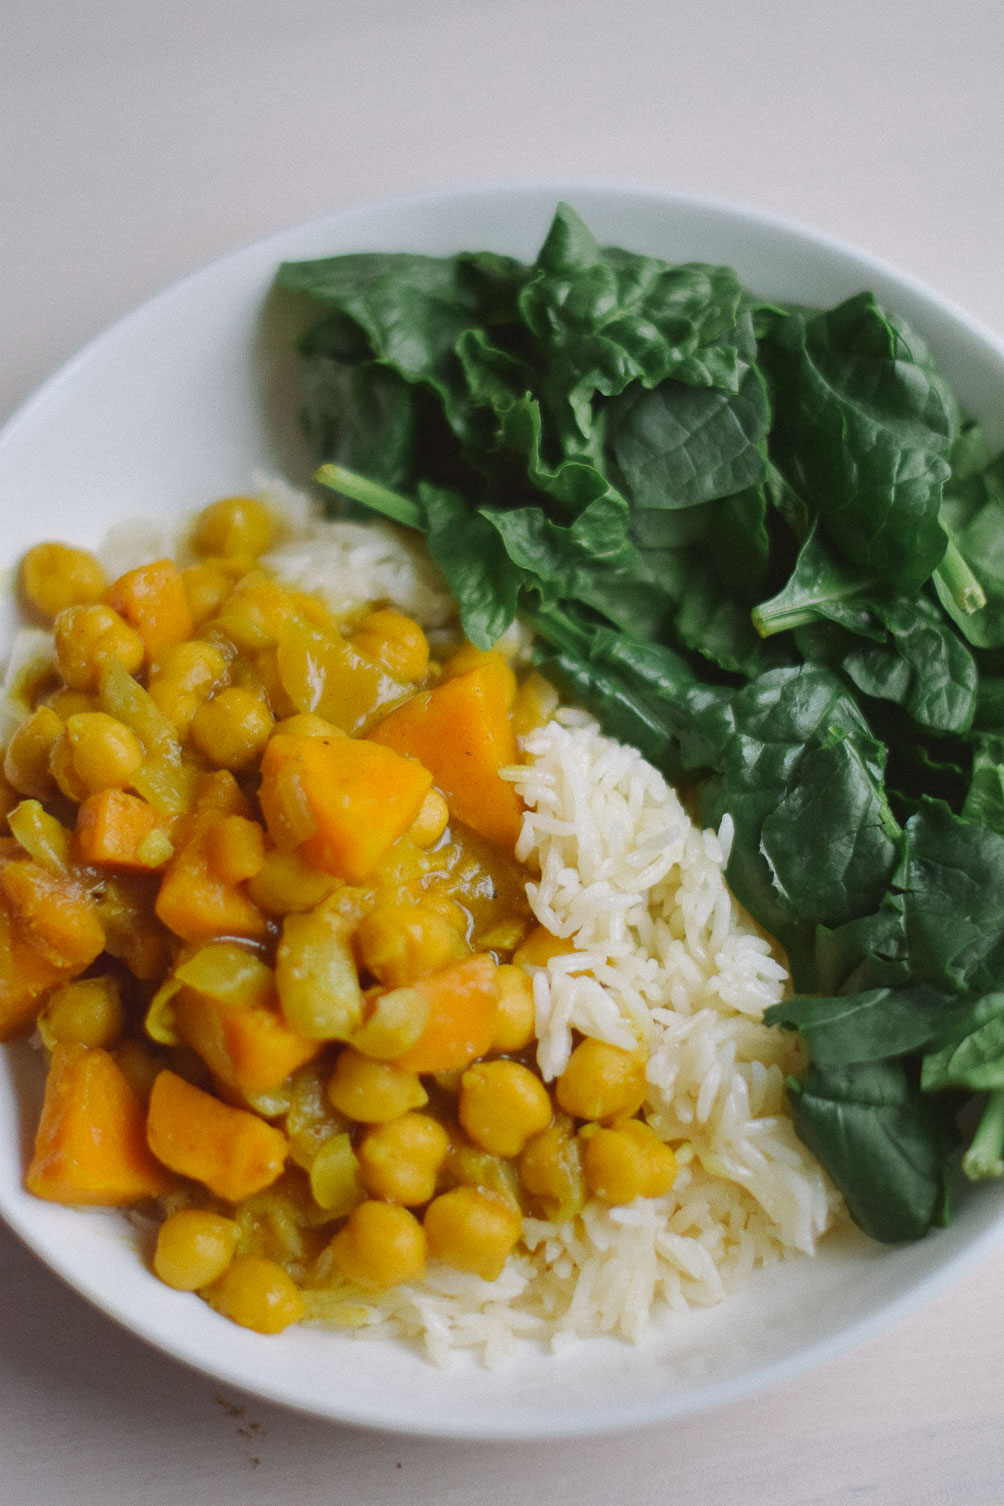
<point x="195" y="903"/>
<point x="231" y="1151"/>
<point x="462" y="999"/>
<point x="250" y="1048"/>
<point x="152" y="599"/>
<point x="462" y="732"/>
<point x="91" y="1143"/>
<point x="52" y="913"/>
<point x="112" y="828"/>
<point x="342" y="801"/>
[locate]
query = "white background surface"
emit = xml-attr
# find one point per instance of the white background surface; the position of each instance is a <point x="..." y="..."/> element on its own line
<point x="139" y="140"/>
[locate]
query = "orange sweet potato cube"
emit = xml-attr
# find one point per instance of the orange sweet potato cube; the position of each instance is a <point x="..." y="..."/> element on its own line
<point x="462" y="732"/>
<point x="153" y="600"/>
<point x="233" y="1152"/>
<point x="463" y="1000"/>
<point x="343" y="801"/>
<point x="112" y="827"/>
<point x="91" y="1142"/>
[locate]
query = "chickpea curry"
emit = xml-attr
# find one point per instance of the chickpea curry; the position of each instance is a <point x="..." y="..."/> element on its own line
<point x="259" y="898"/>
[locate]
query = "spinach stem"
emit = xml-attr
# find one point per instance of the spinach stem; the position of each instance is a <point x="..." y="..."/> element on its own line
<point x="983" y="1158"/>
<point x="768" y="622"/>
<point x="371" y="494"/>
<point x="959" y="581"/>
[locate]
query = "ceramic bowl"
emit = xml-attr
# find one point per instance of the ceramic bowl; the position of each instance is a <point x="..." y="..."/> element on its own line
<point x="186" y="399"/>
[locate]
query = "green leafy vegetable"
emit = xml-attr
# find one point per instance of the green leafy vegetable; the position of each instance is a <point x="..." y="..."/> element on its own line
<point x="761" y="544"/>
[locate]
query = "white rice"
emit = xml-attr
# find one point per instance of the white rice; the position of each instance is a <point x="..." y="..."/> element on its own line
<point x="664" y="955"/>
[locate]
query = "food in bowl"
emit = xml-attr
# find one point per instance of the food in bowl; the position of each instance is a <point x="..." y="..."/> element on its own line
<point x="617" y="673"/>
<point x="291" y="902"/>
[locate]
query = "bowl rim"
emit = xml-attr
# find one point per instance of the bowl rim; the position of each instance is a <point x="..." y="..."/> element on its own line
<point x="611" y="1416"/>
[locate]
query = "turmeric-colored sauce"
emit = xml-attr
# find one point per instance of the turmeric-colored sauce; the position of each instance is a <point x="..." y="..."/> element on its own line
<point x="259" y="896"/>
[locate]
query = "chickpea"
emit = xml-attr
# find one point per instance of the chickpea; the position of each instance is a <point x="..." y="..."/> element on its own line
<point x="536" y="702"/>
<point x="207" y="586"/>
<point x="602" y="1082"/>
<point x="139" y="1067"/>
<point x="235" y="847"/>
<point x="399" y="1161"/>
<point x="235" y="527"/>
<point x="104" y="752"/>
<point x="231" y="730"/>
<point x="308" y="724"/>
<point x="431" y="821"/>
<point x="88" y="1010"/>
<point x="334" y="1177"/>
<point x="88" y="637"/>
<point x="625" y="1161"/>
<point x="258" y="1294"/>
<point x="395" y="1024"/>
<point x="380" y="1245"/>
<point x="185" y="676"/>
<point x="539" y="946"/>
<point x="473" y="1230"/>
<point x="396" y="642"/>
<point x="550" y="1171"/>
<point x="373" y="1091"/>
<point x="502" y="1106"/>
<point x="398" y="943"/>
<point x="194" y="1248"/>
<point x="287" y="885"/>
<point x="56" y="576"/>
<point x="26" y="760"/>
<point x="514" y="1014"/>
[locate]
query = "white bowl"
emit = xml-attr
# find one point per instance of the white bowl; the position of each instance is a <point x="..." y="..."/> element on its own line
<point x="184" y="400"/>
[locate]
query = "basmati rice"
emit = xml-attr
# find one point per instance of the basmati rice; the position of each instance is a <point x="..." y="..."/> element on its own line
<point x="663" y="954"/>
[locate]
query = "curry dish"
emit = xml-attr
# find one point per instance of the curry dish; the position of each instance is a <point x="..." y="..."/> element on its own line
<point x="259" y="899"/>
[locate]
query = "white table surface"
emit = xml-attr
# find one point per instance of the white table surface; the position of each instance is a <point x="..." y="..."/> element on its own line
<point x="139" y="140"/>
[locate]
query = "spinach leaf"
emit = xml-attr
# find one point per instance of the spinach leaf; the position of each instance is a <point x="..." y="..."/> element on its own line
<point x="862" y="425"/>
<point x="604" y="318"/>
<point x="822" y="585"/>
<point x="884" y="1143"/>
<point x="984" y="802"/>
<point x="677" y="446"/>
<point x="973" y="513"/>
<point x="862" y="1027"/>
<point x="973" y="1053"/>
<point x="925" y="667"/>
<point x="951" y="880"/>
<point x="412" y="309"/>
<point x="792" y="754"/>
<point x="484" y="581"/>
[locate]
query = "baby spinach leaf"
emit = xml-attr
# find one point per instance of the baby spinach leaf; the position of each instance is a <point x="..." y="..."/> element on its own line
<point x="363" y="417"/>
<point x="973" y="1054"/>
<point x="484" y="580"/>
<point x="951" y="879"/>
<point x="678" y="446"/>
<point x="925" y="667"/>
<point x="793" y="754"/>
<point x="822" y="585"/>
<point x="862" y="1027"/>
<point x="984" y="802"/>
<point x="838" y="796"/>
<point x="604" y="318"/>
<point x="973" y="513"/>
<point x="862" y="425"/>
<point x="884" y="1143"/>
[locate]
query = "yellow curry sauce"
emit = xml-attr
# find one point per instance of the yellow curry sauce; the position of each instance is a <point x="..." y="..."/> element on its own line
<point x="260" y="899"/>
